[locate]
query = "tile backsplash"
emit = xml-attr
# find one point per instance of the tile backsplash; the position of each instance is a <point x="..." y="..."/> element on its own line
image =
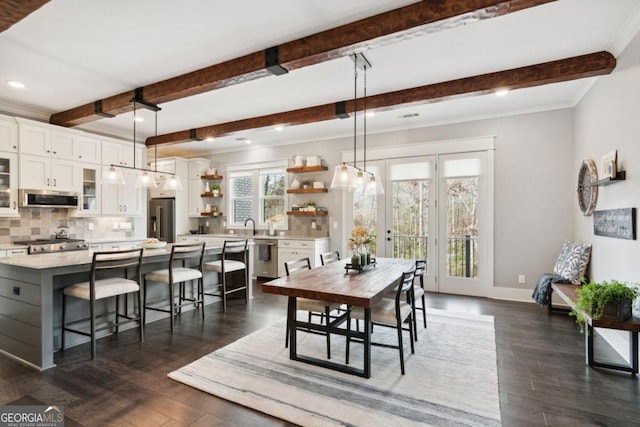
<point x="43" y="224"/>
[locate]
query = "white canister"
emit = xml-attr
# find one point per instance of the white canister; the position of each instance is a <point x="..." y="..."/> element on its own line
<point x="272" y="231"/>
<point x="207" y="208"/>
<point x="295" y="184"/>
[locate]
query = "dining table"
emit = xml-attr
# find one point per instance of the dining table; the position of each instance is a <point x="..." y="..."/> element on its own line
<point x="334" y="283"/>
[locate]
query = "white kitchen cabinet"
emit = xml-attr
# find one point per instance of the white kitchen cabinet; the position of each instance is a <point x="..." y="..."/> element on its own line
<point x="76" y="146"/>
<point x="196" y="203"/>
<point x="9" y="185"/>
<point x="122" y="245"/>
<point x="122" y="200"/>
<point x="46" y="173"/>
<point x="90" y="196"/>
<point x="291" y="250"/>
<point x="197" y="168"/>
<point x="16" y="252"/>
<point x="164" y="168"/>
<point x="34" y="138"/>
<point x="8" y="134"/>
<point x="121" y="154"/>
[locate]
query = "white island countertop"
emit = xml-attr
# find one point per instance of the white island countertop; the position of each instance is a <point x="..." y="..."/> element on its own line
<point x="72" y="258"/>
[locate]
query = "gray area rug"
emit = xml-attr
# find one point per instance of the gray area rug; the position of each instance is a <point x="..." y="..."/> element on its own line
<point x="451" y="380"/>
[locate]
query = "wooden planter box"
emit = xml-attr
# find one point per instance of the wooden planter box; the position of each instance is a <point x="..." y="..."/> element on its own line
<point x="618" y="310"/>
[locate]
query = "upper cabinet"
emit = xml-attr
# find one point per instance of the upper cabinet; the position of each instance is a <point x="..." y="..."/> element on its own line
<point x="121" y="154"/>
<point x="198" y="168"/>
<point x="8" y="134"/>
<point x="45" y="173"/>
<point x="35" y="139"/>
<point x="77" y="147"/>
<point x="8" y="184"/>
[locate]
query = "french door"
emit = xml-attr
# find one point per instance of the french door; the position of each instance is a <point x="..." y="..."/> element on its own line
<point x="436" y="208"/>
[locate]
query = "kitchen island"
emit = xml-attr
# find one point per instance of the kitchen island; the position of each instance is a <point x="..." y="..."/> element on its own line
<point x="31" y="299"/>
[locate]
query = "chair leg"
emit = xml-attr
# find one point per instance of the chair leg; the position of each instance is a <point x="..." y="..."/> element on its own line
<point x="346" y="355"/>
<point x="327" y="320"/>
<point x="64" y="319"/>
<point x="118" y="312"/>
<point x="246" y="285"/>
<point x="224" y="292"/>
<point x="411" y="299"/>
<point x="140" y="316"/>
<point x="143" y="309"/>
<point x="92" y="327"/>
<point x="172" y="308"/>
<point x="201" y="296"/>
<point x="424" y="312"/>
<point x="400" y="345"/>
<point x="413" y="350"/>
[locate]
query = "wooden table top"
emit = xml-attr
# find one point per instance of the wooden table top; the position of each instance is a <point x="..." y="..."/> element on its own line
<point x="330" y="283"/>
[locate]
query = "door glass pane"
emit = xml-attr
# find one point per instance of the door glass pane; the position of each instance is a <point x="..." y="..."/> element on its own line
<point x="365" y="211"/>
<point x="410" y="192"/>
<point x="5" y="183"/>
<point x="462" y="226"/>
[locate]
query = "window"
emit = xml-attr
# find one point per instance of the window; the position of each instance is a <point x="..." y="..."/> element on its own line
<point x="258" y="192"/>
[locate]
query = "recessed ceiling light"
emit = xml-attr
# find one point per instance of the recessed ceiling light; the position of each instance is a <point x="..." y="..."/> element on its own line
<point x="139" y="119"/>
<point x="248" y="141"/>
<point x="209" y="139"/>
<point x="16" y="84"/>
<point x="279" y="128"/>
<point x="502" y="92"/>
<point x="370" y="113"/>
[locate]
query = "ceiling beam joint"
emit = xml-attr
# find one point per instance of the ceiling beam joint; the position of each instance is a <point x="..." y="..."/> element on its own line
<point x="272" y="63"/>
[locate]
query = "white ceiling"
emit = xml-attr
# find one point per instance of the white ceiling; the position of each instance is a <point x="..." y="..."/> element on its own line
<point x="73" y="52"/>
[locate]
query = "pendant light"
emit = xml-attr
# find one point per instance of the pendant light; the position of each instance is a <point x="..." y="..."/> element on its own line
<point x="146" y="177"/>
<point x="348" y="175"/>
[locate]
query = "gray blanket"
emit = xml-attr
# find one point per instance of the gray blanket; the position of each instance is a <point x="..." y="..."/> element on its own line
<point x="542" y="292"/>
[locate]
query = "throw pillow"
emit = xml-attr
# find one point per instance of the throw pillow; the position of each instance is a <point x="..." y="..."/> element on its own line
<point x="573" y="261"/>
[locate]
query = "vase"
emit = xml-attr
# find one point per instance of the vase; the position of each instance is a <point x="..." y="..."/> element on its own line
<point x="363" y="259"/>
<point x="355" y="260"/>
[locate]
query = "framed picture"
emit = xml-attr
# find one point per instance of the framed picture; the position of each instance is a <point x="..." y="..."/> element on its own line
<point x="608" y="168"/>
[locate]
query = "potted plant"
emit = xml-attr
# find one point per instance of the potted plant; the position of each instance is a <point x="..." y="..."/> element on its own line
<point x="215" y="189"/>
<point x="607" y="299"/>
<point x="360" y="238"/>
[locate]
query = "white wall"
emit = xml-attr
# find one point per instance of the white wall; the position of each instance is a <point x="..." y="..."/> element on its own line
<point x="608" y="118"/>
<point x="534" y="186"/>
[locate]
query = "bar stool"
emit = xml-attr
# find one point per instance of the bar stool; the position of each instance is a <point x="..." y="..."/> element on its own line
<point x="98" y="289"/>
<point x="226" y="265"/>
<point x="181" y="253"/>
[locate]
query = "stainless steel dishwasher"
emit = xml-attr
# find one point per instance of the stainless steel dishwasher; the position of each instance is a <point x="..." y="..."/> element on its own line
<point x="265" y="258"/>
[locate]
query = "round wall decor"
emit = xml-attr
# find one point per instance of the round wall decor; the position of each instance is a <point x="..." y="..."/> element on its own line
<point x="587" y="191"/>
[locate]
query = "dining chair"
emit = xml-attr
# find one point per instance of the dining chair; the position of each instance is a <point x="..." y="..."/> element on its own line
<point x="419" y="292"/>
<point x="329" y="257"/>
<point x="188" y="258"/>
<point x="100" y="288"/>
<point x="313" y="307"/>
<point x="225" y="265"/>
<point x="389" y="313"/>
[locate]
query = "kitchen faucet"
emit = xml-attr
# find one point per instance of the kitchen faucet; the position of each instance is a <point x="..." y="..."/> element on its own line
<point x="253" y="222"/>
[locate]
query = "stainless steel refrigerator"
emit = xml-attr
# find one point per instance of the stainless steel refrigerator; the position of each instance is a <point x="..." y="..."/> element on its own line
<point x="162" y="219"/>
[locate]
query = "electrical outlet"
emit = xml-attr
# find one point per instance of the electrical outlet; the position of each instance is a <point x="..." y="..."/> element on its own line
<point x="115" y="225"/>
<point x="313" y="225"/>
<point x="206" y="223"/>
<point x="521" y="279"/>
<point x="90" y="226"/>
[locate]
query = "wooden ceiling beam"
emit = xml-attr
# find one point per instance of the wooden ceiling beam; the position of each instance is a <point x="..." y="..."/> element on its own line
<point x="14" y="11"/>
<point x="578" y="67"/>
<point x="389" y="27"/>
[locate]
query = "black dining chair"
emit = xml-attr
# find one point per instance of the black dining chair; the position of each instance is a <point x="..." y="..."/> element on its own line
<point x="391" y="313"/>
<point x="313" y="307"/>
<point x="329" y="257"/>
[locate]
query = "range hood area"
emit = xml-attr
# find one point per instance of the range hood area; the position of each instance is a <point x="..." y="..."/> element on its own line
<point x="47" y="199"/>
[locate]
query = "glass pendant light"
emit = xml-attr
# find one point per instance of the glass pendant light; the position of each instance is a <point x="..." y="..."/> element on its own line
<point x="173" y="183"/>
<point x="113" y="175"/>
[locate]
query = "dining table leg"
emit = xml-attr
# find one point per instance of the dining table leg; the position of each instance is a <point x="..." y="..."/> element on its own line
<point x="367" y="343"/>
<point x="291" y="327"/>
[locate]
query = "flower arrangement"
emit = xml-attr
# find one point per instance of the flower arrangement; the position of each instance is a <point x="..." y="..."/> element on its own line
<point x="360" y="237"/>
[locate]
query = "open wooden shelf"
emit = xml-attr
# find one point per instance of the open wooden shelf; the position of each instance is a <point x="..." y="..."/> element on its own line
<point x="307" y="213"/>
<point x="210" y="177"/>
<point x="211" y="214"/>
<point x="210" y="195"/>
<point x="620" y="176"/>
<point x="300" y="169"/>
<point x="307" y="190"/>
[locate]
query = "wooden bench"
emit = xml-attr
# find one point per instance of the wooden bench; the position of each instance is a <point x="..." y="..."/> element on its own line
<point x="568" y="294"/>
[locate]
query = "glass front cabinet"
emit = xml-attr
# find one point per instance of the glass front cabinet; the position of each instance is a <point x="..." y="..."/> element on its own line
<point x="8" y="184"/>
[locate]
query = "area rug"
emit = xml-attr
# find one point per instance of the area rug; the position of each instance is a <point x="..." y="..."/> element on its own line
<point x="451" y="380"/>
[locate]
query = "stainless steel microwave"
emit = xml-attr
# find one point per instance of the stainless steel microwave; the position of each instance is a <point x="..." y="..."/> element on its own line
<point x="47" y="199"/>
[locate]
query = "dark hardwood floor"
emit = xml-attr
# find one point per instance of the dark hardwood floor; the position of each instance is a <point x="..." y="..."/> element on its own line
<point x="542" y="375"/>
